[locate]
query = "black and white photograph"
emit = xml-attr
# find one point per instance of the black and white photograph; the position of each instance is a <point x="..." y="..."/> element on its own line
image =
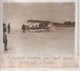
<point x="39" y="28"/>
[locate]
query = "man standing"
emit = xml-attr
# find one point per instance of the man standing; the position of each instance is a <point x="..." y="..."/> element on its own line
<point x="9" y="28"/>
<point x="4" y="28"/>
<point x="23" y="28"/>
<point x="4" y="37"/>
<point x="5" y="41"/>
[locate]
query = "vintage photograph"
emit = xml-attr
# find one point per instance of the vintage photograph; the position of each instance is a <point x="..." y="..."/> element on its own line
<point x="39" y="28"/>
<point x="39" y="35"/>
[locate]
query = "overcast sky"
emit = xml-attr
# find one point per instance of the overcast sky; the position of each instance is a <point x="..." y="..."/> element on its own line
<point x="55" y="12"/>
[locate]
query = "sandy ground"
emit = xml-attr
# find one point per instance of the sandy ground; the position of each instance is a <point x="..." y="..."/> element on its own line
<point x="58" y="41"/>
<point x="54" y="49"/>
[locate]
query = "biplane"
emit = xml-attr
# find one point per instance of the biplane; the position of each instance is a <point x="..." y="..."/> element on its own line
<point x="38" y="25"/>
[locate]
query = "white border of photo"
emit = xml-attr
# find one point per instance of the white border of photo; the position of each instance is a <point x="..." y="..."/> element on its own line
<point x="77" y="45"/>
<point x="24" y="1"/>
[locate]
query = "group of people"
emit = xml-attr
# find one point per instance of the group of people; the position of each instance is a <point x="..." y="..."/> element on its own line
<point x="24" y="28"/>
<point x="5" y="41"/>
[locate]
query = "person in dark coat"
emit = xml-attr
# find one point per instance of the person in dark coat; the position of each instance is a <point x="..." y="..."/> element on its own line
<point x="4" y="36"/>
<point x="23" y="28"/>
<point x="5" y="41"/>
<point x="9" y="28"/>
<point x="4" y="28"/>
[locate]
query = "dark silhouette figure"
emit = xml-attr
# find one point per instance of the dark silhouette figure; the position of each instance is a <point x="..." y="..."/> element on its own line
<point x="23" y="28"/>
<point x="5" y="36"/>
<point x="4" y="28"/>
<point x="5" y="41"/>
<point x="9" y="28"/>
